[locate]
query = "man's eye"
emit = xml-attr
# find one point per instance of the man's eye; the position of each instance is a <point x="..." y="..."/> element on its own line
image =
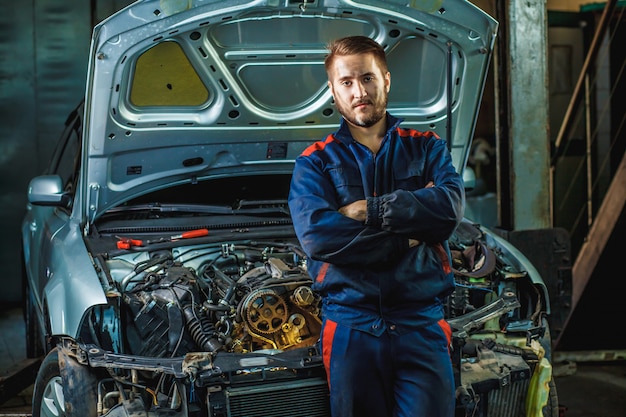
<point x="367" y="79"/>
<point x="346" y="83"/>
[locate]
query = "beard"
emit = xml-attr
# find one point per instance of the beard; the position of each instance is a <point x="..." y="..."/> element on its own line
<point x="379" y="109"/>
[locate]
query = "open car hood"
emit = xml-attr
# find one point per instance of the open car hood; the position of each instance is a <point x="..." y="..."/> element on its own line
<point x="223" y="88"/>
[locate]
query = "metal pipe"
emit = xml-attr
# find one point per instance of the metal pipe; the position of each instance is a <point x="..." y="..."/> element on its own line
<point x="588" y="158"/>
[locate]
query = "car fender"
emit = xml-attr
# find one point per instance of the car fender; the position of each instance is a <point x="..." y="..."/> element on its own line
<point x="73" y="285"/>
<point x="519" y="260"/>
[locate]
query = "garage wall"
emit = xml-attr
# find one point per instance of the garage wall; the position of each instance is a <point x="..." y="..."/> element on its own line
<point x="44" y="46"/>
<point x="17" y="159"/>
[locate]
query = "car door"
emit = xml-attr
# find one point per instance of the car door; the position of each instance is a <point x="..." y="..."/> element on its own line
<point x="43" y="222"/>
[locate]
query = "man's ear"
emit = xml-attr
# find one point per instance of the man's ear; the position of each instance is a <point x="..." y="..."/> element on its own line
<point x="388" y="81"/>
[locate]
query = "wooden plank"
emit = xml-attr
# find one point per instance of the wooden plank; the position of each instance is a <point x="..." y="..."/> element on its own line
<point x="599" y="234"/>
<point x="597" y="238"/>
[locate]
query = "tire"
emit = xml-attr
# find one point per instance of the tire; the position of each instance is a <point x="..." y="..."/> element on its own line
<point x="51" y="396"/>
<point x="48" y="398"/>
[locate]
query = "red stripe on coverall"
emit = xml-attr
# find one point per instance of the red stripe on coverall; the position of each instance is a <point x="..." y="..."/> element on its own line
<point x="327" y="346"/>
<point x="447" y="330"/>
<point x="443" y="256"/>
<point x="322" y="274"/>
<point x="318" y="146"/>
<point x="417" y="133"/>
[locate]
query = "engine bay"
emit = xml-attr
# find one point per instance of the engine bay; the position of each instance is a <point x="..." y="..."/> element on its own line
<point x="224" y="317"/>
<point x="237" y="298"/>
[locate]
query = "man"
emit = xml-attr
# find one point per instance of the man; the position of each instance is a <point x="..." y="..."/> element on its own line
<point x="373" y="206"/>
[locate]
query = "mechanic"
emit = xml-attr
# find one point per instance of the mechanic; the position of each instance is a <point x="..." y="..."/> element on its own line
<point x="373" y="206"/>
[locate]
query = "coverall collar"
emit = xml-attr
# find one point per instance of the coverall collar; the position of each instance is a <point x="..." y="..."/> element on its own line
<point x="344" y="135"/>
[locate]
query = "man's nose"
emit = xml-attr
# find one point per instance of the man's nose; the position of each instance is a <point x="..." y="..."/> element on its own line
<point x="360" y="91"/>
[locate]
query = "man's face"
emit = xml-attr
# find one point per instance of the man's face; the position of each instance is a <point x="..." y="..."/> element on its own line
<point x="360" y="88"/>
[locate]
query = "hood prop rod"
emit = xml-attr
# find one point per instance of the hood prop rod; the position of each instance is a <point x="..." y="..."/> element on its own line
<point x="449" y="98"/>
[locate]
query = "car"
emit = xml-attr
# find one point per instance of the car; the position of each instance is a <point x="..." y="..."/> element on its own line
<point x="162" y="274"/>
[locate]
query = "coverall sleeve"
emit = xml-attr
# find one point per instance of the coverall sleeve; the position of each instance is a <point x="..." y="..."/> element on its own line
<point x="327" y="235"/>
<point x="428" y="214"/>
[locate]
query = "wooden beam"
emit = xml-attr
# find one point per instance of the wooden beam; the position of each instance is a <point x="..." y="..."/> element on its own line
<point x="599" y="234"/>
<point x="597" y="238"/>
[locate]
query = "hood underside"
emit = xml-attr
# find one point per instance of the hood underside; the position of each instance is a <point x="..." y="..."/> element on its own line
<point x="178" y="94"/>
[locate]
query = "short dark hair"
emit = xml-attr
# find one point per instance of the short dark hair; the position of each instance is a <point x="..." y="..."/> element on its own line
<point x="354" y="45"/>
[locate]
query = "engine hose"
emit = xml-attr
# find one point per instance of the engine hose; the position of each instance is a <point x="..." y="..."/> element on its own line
<point x="201" y="330"/>
<point x="232" y="285"/>
<point x="208" y="327"/>
<point x="225" y="327"/>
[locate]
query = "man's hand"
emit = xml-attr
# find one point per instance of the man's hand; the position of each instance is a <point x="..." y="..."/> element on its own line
<point x="356" y="211"/>
<point x="413" y="242"/>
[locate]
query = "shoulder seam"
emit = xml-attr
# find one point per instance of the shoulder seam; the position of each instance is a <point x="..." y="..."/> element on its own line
<point x="417" y="134"/>
<point x="318" y="146"/>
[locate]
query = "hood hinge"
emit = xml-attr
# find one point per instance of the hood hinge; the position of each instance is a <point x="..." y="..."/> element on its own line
<point x="92" y="205"/>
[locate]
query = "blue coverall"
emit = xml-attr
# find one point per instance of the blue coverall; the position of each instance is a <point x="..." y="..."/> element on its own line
<point x="385" y="343"/>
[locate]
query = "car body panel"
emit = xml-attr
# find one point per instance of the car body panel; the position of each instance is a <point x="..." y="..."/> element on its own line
<point x="520" y="261"/>
<point x="74" y="263"/>
<point x="243" y="118"/>
<point x="55" y="253"/>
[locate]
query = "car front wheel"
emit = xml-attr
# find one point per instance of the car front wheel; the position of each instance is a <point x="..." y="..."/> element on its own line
<point x="52" y="398"/>
<point x="48" y="399"/>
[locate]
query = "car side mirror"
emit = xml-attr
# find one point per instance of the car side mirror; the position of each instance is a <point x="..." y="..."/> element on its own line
<point x="469" y="178"/>
<point x="47" y="190"/>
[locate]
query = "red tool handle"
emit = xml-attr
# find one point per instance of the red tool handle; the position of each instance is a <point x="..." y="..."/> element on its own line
<point x="127" y="243"/>
<point x="191" y="233"/>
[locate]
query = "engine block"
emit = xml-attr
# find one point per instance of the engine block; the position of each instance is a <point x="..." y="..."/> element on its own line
<point x="267" y="306"/>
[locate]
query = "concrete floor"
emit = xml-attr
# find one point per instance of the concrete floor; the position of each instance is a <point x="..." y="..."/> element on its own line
<point x="12" y="358"/>
<point x="585" y="389"/>
<point x="593" y="390"/>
